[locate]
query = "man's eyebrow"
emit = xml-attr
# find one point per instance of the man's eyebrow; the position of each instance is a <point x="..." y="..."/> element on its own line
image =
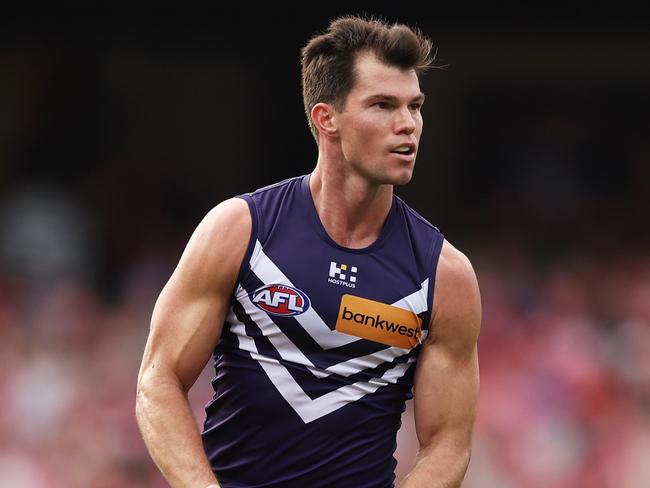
<point x="390" y="98"/>
<point x="419" y="98"/>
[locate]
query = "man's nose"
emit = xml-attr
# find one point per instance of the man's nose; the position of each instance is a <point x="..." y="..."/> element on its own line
<point x="405" y="121"/>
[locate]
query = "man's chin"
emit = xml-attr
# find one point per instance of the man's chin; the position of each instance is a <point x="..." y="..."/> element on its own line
<point x="401" y="178"/>
<point x="396" y="178"/>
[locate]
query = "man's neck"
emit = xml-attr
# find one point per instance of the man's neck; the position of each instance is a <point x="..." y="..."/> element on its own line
<point x="351" y="209"/>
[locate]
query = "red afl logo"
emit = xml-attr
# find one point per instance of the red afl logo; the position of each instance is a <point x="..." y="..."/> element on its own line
<point x="280" y="300"/>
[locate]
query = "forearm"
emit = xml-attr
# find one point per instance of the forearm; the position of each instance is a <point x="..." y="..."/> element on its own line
<point x="438" y="466"/>
<point x="171" y="435"/>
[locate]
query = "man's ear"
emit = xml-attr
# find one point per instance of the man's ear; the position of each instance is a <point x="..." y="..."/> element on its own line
<point x="323" y="116"/>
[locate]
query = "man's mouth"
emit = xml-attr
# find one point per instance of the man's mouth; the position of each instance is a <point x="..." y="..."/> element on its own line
<point x="406" y="149"/>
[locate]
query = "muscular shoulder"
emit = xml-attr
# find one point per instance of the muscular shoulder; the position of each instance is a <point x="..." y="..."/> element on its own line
<point x="456" y="314"/>
<point x="219" y="242"/>
<point x="230" y="219"/>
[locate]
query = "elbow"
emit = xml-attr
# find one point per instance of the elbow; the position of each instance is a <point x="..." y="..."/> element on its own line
<point x="143" y="387"/>
<point x="466" y="455"/>
<point x="154" y="391"/>
<point x="142" y="398"/>
<point x="148" y="393"/>
<point x="452" y="452"/>
<point x="446" y="462"/>
<point x="463" y="457"/>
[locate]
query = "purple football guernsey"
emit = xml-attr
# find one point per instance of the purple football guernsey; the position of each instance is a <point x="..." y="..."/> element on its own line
<point x="318" y="350"/>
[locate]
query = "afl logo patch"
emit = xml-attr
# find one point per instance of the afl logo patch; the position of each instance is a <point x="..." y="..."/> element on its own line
<point x="282" y="300"/>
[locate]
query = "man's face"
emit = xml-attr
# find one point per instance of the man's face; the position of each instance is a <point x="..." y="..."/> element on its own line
<point x="381" y="123"/>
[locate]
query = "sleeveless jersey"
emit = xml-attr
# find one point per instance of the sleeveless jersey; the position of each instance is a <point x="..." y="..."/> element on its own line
<point x="318" y="351"/>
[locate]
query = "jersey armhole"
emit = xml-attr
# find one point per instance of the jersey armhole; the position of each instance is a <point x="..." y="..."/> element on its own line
<point x="255" y="224"/>
<point x="436" y="248"/>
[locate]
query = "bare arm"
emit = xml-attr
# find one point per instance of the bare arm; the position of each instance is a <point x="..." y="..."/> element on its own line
<point x="447" y="377"/>
<point x="185" y="327"/>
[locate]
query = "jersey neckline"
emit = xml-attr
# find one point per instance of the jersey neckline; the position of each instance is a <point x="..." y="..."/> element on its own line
<point x="389" y="223"/>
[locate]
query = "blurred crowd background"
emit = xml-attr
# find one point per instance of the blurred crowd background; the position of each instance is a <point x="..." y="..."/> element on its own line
<point x="118" y="133"/>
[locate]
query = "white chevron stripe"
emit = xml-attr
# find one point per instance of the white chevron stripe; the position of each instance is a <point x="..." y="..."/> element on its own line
<point x="308" y="409"/>
<point x="372" y="360"/>
<point x="416" y="301"/>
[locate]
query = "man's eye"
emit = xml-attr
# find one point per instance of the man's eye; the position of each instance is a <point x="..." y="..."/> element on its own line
<point x="382" y="105"/>
<point x="415" y="107"/>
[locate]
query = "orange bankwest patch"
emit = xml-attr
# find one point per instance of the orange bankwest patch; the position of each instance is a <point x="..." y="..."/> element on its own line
<point x="378" y="322"/>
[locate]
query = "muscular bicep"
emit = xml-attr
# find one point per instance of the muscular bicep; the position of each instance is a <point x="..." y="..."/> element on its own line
<point x="189" y="313"/>
<point x="447" y="375"/>
<point x="446" y="391"/>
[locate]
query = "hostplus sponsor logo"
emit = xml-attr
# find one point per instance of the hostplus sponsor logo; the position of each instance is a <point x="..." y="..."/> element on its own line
<point x="342" y="274"/>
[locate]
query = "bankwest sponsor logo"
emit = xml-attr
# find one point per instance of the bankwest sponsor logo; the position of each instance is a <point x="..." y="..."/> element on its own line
<point x="378" y="322"/>
<point x="281" y="300"/>
<point x="342" y="274"/>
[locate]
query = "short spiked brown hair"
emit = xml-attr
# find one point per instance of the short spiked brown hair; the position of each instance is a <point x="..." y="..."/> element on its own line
<point x="328" y="59"/>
